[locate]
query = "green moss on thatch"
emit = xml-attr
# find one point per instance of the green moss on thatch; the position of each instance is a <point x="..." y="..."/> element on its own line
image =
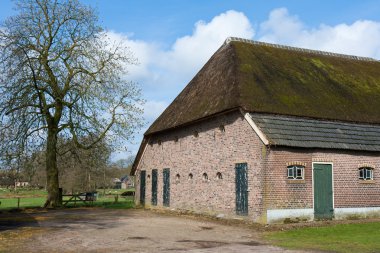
<point x="260" y="78"/>
<point x="296" y="83"/>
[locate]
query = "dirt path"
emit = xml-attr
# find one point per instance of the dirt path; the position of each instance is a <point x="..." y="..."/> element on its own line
<point x="103" y="230"/>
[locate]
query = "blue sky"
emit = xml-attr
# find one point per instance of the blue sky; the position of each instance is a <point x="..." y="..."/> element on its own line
<point x="173" y="39"/>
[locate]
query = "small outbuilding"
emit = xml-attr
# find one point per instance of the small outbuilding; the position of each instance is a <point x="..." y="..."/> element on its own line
<point x="268" y="132"/>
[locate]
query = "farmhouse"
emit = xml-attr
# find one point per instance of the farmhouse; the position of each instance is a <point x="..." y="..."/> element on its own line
<point x="268" y="132"/>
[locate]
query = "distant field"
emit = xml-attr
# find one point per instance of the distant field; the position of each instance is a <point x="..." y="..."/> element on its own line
<point x="22" y="193"/>
<point x="36" y="198"/>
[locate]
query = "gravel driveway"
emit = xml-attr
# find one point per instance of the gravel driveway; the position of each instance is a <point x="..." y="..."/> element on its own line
<point x="133" y="230"/>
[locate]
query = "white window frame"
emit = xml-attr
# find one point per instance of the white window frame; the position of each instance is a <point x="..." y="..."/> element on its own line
<point x="367" y="173"/>
<point x="293" y="172"/>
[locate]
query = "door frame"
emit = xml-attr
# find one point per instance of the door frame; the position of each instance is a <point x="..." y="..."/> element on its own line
<point x="332" y="183"/>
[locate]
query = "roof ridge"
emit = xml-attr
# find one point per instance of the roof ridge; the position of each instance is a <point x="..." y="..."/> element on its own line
<point x="299" y="49"/>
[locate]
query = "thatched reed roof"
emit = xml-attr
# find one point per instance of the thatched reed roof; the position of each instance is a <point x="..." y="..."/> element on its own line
<point x="267" y="78"/>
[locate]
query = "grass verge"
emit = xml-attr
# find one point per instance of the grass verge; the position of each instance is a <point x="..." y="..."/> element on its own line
<point x="29" y="198"/>
<point x="362" y="237"/>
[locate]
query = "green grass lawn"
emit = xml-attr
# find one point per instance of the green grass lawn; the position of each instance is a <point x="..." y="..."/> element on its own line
<point x="364" y="237"/>
<point x="10" y="203"/>
<point x="37" y="198"/>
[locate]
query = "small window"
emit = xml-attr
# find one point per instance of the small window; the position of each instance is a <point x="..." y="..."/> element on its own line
<point x="148" y="176"/>
<point x="296" y="172"/>
<point x="222" y="128"/>
<point x="190" y="176"/>
<point x="219" y="176"/>
<point x="205" y="177"/>
<point x="177" y="178"/>
<point x="176" y="139"/>
<point x="366" y="173"/>
<point x="159" y="142"/>
<point x="196" y="134"/>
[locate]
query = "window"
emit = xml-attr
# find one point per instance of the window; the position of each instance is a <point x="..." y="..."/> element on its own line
<point x="219" y="176"/>
<point x="196" y="134"/>
<point x="296" y="172"/>
<point x="366" y="173"/>
<point x="177" y="178"/>
<point x="205" y="177"/>
<point x="222" y="128"/>
<point x="159" y="142"/>
<point x="176" y="139"/>
<point x="190" y="176"/>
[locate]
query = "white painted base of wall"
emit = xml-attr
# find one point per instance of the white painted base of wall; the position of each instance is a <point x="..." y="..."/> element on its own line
<point x="278" y="215"/>
<point x="360" y="212"/>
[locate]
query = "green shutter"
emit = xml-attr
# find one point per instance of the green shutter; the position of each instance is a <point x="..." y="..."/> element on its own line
<point x="142" y="187"/>
<point x="154" y="187"/>
<point x="241" y="182"/>
<point x="166" y="187"/>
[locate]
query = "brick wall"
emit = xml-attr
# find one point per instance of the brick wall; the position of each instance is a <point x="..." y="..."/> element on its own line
<point x="206" y="147"/>
<point x="349" y="191"/>
<point x="221" y="143"/>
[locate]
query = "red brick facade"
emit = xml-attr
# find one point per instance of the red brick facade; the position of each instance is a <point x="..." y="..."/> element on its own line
<point x="217" y="144"/>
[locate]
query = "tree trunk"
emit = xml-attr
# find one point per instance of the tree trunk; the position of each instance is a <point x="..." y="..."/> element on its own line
<point x="52" y="182"/>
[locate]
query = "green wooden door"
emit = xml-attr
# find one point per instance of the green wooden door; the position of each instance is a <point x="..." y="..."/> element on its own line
<point x="154" y="187"/>
<point x="323" y="191"/>
<point x="166" y="188"/>
<point x="142" y="187"/>
<point x="241" y="182"/>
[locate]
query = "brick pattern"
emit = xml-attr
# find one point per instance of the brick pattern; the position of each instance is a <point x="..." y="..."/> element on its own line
<point x="206" y="147"/>
<point x="214" y="150"/>
<point x="283" y="193"/>
<point x="349" y="190"/>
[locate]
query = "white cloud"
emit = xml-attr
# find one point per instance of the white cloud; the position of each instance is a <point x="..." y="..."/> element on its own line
<point x="154" y="108"/>
<point x="189" y="53"/>
<point x="162" y="74"/>
<point x="359" y="38"/>
<point x="143" y="51"/>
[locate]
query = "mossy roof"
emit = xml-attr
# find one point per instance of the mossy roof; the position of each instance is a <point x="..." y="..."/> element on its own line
<point x="267" y="78"/>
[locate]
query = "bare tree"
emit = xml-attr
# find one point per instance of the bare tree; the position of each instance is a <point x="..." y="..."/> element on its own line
<point x="61" y="76"/>
<point x="83" y="169"/>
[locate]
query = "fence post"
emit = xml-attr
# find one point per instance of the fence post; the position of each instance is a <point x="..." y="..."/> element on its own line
<point x="18" y="202"/>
